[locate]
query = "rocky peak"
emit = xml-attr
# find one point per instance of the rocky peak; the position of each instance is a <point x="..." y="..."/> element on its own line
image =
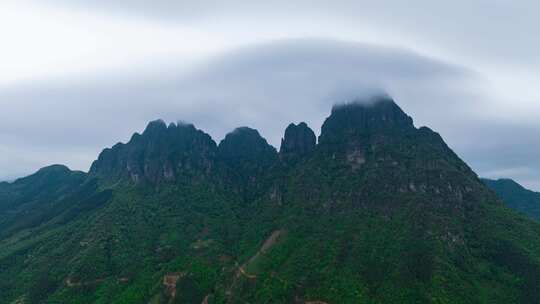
<point x="155" y="127"/>
<point x="299" y="140"/>
<point x="246" y="145"/>
<point x="161" y="152"/>
<point x="377" y="115"/>
<point x="247" y="157"/>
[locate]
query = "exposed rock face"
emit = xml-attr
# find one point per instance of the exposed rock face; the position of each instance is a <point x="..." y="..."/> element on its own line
<point x="160" y="153"/>
<point x="247" y="158"/>
<point x="379" y="139"/>
<point x="245" y="148"/>
<point x="299" y="140"/>
<point x="352" y="120"/>
<point x="354" y="131"/>
<point x="180" y="152"/>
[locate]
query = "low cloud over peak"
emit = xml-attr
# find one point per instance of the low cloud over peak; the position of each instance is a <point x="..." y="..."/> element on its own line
<point x="265" y="86"/>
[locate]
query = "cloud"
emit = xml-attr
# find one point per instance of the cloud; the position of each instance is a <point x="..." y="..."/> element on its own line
<point x="447" y="64"/>
<point x="500" y="149"/>
<point x="469" y="28"/>
<point x="44" y="42"/>
<point x="266" y="87"/>
<point x="504" y="53"/>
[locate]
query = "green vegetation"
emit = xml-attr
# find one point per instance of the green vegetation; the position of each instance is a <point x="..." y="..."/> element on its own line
<point x="377" y="212"/>
<point x="516" y="196"/>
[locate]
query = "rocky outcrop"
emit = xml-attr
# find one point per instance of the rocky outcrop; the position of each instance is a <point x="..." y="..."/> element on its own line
<point x="244" y="145"/>
<point x="298" y="141"/>
<point x="357" y="130"/>
<point x="380" y="115"/>
<point x="245" y="151"/>
<point x="160" y="153"/>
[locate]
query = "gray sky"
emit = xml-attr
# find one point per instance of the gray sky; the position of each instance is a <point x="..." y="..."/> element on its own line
<point x="78" y="76"/>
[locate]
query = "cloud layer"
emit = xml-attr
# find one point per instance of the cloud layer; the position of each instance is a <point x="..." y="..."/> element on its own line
<point x="266" y="87"/>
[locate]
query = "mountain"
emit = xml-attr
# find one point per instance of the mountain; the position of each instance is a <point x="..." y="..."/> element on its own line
<point x="160" y="153"/>
<point x="298" y="141"/>
<point x="374" y="211"/>
<point x="30" y="201"/>
<point x="516" y="196"/>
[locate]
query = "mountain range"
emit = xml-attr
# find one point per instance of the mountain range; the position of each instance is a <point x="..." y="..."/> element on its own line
<point x="374" y="210"/>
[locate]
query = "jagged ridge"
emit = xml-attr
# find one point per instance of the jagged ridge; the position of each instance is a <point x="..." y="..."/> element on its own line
<point x="377" y="211"/>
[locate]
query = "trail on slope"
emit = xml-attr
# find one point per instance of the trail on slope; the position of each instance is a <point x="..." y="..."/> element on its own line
<point x="268" y="243"/>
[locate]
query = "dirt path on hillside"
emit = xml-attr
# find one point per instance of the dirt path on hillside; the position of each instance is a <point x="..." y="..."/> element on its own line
<point x="268" y="243"/>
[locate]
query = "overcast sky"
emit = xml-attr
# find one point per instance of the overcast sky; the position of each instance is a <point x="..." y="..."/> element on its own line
<point x="78" y="76"/>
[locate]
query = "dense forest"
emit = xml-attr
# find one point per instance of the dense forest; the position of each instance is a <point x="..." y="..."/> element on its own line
<point x="375" y="210"/>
